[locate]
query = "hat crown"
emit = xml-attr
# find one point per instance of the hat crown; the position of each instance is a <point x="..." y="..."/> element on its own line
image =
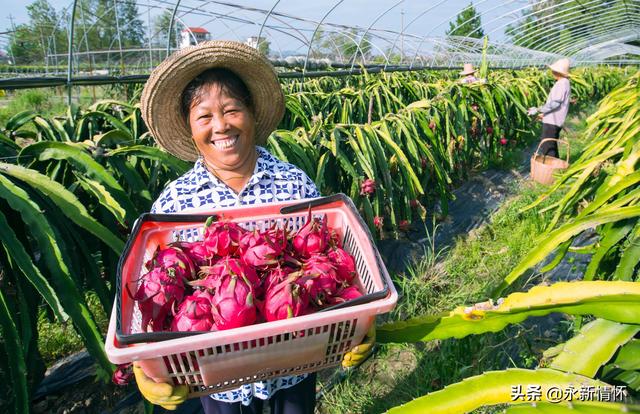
<point x="467" y="69"/>
<point x="561" y="66"/>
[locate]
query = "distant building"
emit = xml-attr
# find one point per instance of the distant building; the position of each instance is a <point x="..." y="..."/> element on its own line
<point x="254" y="41"/>
<point x="261" y="43"/>
<point x="193" y="35"/>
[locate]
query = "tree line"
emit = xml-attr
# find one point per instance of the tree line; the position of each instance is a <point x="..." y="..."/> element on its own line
<point x="100" y="25"/>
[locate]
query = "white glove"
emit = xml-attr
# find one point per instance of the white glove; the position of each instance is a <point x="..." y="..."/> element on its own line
<point x="532" y="111"/>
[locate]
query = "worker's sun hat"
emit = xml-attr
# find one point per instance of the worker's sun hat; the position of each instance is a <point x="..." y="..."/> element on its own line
<point x="467" y="69"/>
<point x="560" y="66"/>
<point x="160" y="100"/>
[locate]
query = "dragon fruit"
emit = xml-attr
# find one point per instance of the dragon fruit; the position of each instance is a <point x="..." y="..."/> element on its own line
<point x="196" y="251"/>
<point x="275" y="276"/>
<point x="174" y="260"/>
<point x="211" y="277"/>
<point x="194" y="313"/>
<point x="123" y="374"/>
<point x="222" y="238"/>
<point x="344" y="264"/>
<point x="233" y="303"/>
<point x="312" y="238"/>
<point x="345" y="295"/>
<point x="368" y="187"/>
<point x="319" y="277"/>
<point x="157" y="293"/>
<point x="285" y="300"/>
<point x="262" y="250"/>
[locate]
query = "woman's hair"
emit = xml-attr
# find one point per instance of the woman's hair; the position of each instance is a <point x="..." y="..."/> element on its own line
<point x="229" y="83"/>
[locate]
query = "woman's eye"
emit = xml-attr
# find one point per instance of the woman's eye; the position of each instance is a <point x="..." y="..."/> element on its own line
<point x="204" y="116"/>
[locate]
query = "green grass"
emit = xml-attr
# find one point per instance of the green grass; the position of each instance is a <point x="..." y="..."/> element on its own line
<point x="44" y="101"/>
<point x="57" y="340"/>
<point x="50" y="102"/>
<point x="441" y="281"/>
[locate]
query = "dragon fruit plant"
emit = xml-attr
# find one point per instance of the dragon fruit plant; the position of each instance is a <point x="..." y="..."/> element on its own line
<point x="234" y="277"/>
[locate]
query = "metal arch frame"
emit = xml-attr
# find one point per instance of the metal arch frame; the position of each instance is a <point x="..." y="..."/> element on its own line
<point x="266" y="17"/>
<point x="402" y="29"/>
<point x="173" y="16"/>
<point x="247" y="21"/>
<point x="619" y="49"/>
<point x="375" y="46"/>
<point x="358" y="48"/>
<point x="522" y="16"/>
<point x="306" y="59"/>
<point x="446" y="21"/>
<point x="552" y="18"/>
<point x="240" y="20"/>
<point x="571" y="50"/>
<point x="537" y="34"/>
<point x="617" y="26"/>
<point x="616" y="23"/>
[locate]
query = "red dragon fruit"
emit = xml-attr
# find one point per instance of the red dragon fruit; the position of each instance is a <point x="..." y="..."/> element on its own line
<point x="275" y="276"/>
<point x="196" y="251"/>
<point x="174" y="260"/>
<point x="194" y="313"/>
<point x="156" y="295"/>
<point x="262" y="250"/>
<point x="285" y="300"/>
<point x="345" y="295"/>
<point x="368" y="187"/>
<point x="211" y="277"/>
<point x="233" y="302"/>
<point x="344" y="264"/>
<point x="313" y="237"/>
<point x="123" y="374"/>
<point x="319" y="277"/>
<point x="222" y="238"/>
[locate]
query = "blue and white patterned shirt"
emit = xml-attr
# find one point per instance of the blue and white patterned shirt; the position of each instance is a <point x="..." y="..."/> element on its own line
<point x="272" y="181"/>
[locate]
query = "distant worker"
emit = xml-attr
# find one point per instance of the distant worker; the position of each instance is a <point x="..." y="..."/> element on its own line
<point x="554" y="112"/>
<point x="469" y="74"/>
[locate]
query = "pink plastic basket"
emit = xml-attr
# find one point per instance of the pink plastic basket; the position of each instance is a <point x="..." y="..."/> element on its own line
<point x="216" y="361"/>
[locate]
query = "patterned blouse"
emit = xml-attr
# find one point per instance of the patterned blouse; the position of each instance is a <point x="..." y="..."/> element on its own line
<point x="272" y="181"/>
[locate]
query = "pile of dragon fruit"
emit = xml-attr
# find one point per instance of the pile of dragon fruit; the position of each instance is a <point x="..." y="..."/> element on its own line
<point x="235" y="277"/>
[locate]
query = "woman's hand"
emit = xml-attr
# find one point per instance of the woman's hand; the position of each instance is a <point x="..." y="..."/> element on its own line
<point x="358" y="354"/>
<point x="159" y="393"/>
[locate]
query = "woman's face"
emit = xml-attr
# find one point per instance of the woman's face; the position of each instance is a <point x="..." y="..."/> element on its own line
<point x="223" y="129"/>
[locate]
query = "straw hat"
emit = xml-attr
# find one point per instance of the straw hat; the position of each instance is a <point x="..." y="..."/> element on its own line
<point x="467" y="69"/>
<point x="560" y="66"/>
<point x="160" y="100"/>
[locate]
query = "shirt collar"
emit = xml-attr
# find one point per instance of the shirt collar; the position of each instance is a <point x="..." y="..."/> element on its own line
<point x="264" y="168"/>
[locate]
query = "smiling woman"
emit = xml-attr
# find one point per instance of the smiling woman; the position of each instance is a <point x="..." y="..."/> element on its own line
<point x="216" y="104"/>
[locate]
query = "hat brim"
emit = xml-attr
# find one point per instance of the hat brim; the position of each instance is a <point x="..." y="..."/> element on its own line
<point x="561" y="72"/>
<point x="468" y="73"/>
<point x="160" y="99"/>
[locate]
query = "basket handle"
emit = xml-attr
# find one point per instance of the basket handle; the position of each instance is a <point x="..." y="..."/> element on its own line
<point x="305" y="205"/>
<point x="560" y="141"/>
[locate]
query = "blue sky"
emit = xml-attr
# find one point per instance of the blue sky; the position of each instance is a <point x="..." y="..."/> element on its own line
<point x="433" y="22"/>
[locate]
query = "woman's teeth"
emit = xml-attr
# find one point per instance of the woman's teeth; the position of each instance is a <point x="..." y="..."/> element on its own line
<point x="223" y="144"/>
